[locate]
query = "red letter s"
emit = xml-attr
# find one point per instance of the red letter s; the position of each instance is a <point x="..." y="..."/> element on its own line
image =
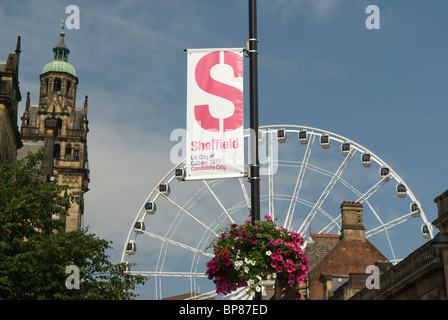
<point x="209" y="85"/>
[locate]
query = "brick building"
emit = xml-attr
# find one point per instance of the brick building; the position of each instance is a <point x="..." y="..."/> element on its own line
<point x="340" y="259"/>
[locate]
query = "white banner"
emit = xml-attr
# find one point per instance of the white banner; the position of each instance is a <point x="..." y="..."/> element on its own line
<point x="215" y="142"/>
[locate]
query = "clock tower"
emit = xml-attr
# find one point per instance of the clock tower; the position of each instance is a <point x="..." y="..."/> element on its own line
<point x="59" y="126"/>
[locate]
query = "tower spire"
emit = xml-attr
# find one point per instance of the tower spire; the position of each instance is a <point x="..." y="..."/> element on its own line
<point x="61" y="51"/>
<point x="18" y="46"/>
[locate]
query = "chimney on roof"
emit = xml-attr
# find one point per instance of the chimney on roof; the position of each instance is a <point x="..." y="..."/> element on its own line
<point x="352" y="221"/>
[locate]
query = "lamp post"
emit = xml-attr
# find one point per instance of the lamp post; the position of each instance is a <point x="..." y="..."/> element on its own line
<point x="254" y="167"/>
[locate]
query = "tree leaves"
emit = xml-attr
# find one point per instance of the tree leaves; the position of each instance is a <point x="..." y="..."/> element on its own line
<point x="34" y="258"/>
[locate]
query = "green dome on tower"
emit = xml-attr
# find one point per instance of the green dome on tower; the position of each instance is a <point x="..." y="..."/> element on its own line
<point x="60" y="58"/>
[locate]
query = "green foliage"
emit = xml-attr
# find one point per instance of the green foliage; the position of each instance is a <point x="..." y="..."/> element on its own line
<point x="34" y="258"/>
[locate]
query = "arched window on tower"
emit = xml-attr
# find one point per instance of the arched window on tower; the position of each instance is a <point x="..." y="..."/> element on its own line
<point x="68" y="152"/>
<point x="59" y="127"/>
<point x="68" y="88"/>
<point x="76" y="153"/>
<point x="57" y="151"/>
<point x="57" y="86"/>
<point x="46" y="87"/>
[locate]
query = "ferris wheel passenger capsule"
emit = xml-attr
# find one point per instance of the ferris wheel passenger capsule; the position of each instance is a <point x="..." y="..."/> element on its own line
<point x="260" y="137"/>
<point x="426" y="231"/>
<point x="303" y="136"/>
<point x="366" y="159"/>
<point x="415" y="209"/>
<point x="164" y="188"/>
<point x="131" y="247"/>
<point x="180" y="174"/>
<point x="281" y="135"/>
<point x="345" y="148"/>
<point x="325" y="141"/>
<point x="401" y="190"/>
<point x="150" y="207"/>
<point x="385" y="173"/>
<point x="139" y="226"/>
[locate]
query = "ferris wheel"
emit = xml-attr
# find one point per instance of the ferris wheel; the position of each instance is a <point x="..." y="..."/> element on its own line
<point x="306" y="173"/>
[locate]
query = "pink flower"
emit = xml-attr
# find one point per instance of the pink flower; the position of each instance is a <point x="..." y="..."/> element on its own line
<point x="271" y="244"/>
<point x="267" y="217"/>
<point x="274" y="264"/>
<point x="279" y="241"/>
<point x="253" y="240"/>
<point x="273" y="256"/>
<point x="279" y="269"/>
<point x="279" y="257"/>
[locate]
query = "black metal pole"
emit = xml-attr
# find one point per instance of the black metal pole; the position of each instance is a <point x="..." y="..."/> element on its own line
<point x="253" y="70"/>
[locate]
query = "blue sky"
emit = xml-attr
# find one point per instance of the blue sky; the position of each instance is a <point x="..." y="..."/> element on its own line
<point x="319" y="66"/>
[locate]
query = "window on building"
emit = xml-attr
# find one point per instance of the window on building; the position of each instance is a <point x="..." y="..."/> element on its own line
<point x="57" y="151"/>
<point x="76" y="153"/>
<point x="59" y="127"/>
<point x="57" y="86"/>
<point x="68" y="152"/>
<point x="68" y="88"/>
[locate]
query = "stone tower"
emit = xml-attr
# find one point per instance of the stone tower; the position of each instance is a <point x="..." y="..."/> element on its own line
<point x="60" y="127"/>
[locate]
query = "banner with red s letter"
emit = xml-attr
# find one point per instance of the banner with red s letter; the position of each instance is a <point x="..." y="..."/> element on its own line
<point x="215" y="141"/>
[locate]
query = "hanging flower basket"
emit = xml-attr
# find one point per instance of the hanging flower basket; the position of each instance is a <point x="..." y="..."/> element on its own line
<point x="249" y="253"/>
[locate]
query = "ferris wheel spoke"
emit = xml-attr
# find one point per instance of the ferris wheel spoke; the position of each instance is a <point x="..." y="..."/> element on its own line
<point x="389" y="225"/>
<point x="372" y="190"/>
<point x="176" y="243"/>
<point x="361" y="199"/>
<point x="246" y="196"/>
<point x="299" y="180"/>
<point x="168" y="274"/>
<point x="271" y="178"/>
<point x="219" y="202"/>
<point x="190" y="215"/>
<point x="326" y="192"/>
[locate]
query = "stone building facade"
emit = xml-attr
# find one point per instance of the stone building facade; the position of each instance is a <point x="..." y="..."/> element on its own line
<point x="59" y="126"/>
<point x="423" y="275"/>
<point x="9" y="100"/>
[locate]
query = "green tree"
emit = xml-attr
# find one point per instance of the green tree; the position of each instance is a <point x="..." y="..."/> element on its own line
<point x="34" y="257"/>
